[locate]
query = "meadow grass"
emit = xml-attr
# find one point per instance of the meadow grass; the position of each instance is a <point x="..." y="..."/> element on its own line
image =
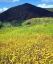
<point x="27" y="44"/>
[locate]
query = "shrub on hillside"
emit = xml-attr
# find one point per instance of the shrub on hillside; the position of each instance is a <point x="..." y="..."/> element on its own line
<point x="1" y="24"/>
<point x="16" y="23"/>
<point x="7" y="24"/>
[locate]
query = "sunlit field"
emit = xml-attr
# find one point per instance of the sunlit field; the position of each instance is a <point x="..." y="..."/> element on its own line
<point x="31" y="43"/>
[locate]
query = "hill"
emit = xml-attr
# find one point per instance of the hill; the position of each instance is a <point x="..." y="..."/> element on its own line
<point x="24" y="12"/>
<point x="49" y="9"/>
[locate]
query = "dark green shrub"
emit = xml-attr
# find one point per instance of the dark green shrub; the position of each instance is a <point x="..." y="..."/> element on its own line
<point x="1" y="25"/>
<point x="16" y="23"/>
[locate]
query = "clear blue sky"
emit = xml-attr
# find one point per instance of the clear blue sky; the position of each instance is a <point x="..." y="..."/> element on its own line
<point x="5" y="4"/>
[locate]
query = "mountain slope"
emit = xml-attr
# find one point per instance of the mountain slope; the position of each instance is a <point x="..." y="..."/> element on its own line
<point x="24" y="12"/>
<point x="49" y="9"/>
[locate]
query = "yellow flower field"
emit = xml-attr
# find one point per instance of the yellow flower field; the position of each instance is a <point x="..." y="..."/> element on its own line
<point x="27" y="45"/>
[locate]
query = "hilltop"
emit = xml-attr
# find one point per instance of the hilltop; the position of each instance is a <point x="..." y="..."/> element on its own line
<point x="24" y="12"/>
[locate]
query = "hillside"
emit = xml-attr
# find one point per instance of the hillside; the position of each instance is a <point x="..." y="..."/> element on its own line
<point x="49" y="9"/>
<point x="31" y="43"/>
<point x="24" y="12"/>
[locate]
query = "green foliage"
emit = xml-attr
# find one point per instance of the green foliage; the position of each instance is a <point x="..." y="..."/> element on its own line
<point x="1" y="24"/>
<point x="29" y="22"/>
<point x="16" y="23"/>
<point x="37" y="21"/>
<point x="7" y="24"/>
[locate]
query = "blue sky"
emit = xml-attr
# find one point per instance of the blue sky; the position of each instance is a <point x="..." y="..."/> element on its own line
<point x="6" y="4"/>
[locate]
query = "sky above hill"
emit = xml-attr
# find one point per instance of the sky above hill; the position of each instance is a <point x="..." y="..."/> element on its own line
<point x="6" y="4"/>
